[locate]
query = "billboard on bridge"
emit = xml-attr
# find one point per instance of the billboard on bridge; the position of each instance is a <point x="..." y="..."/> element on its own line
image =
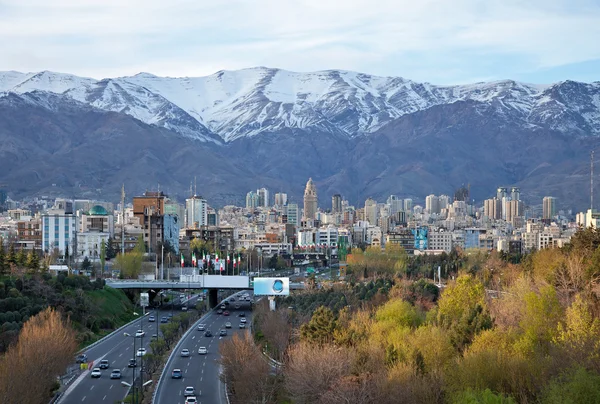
<point x="272" y="286"/>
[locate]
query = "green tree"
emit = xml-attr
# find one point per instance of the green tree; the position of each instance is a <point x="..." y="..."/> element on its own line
<point x="102" y="257"/>
<point x="86" y="264"/>
<point x="11" y="256"/>
<point x="3" y="261"/>
<point x="321" y="327"/>
<point x="577" y="386"/>
<point x="21" y="258"/>
<point x="199" y="246"/>
<point x="140" y="246"/>
<point x="33" y="261"/>
<point x="110" y="249"/>
<point x="130" y="264"/>
<point x="480" y="397"/>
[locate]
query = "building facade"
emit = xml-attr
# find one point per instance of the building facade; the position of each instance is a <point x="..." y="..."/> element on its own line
<point x="196" y="212"/>
<point x="310" y="200"/>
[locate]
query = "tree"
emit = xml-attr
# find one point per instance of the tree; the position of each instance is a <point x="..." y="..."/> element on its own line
<point x="110" y="249"/>
<point x="3" y="260"/>
<point x="200" y="246"/>
<point x="102" y="257"/>
<point x="321" y="327"/>
<point x="11" y="256"/>
<point x="86" y="264"/>
<point x="33" y="261"/>
<point x="21" y="258"/>
<point x="45" y="347"/>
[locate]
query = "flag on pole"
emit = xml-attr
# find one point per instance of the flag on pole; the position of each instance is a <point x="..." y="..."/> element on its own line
<point x="234" y="261"/>
<point x="228" y="260"/>
<point x="182" y="261"/>
<point x="194" y="259"/>
<point x="221" y="267"/>
<point x="216" y="257"/>
<point x="203" y="257"/>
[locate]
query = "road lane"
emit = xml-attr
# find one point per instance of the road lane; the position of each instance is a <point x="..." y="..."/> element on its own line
<point x="202" y="371"/>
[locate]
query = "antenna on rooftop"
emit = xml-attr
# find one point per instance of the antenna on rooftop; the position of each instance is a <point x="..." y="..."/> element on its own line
<point x="123" y="219"/>
<point x="195" y="186"/>
<point x="592" y="180"/>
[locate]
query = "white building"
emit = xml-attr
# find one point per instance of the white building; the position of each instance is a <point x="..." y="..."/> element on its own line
<point x="439" y="240"/>
<point x="292" y="213"/>
<point x="327" y="236"/>
<point x="306" y="237"/>
<point x="196" y="212"/>
<point x="281" y="199"/>
<point x="89" y="245"/>
<point x="371" y="211"/>
<point x="59" y="231"/>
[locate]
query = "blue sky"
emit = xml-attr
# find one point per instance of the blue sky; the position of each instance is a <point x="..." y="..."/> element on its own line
<point x="439" y="41"/>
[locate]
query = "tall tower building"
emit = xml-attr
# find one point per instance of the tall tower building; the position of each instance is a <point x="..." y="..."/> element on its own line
<point x="196" y="212"/>
<point x="310" y="200"/>
<point x="251" y="200"/>
<point x="549" y="207"/>
<point x="515" y="193"/>
<point x="501" y="192"/>
<point x="263" y="197"/>
<point x="292" y="213"/>
<point x="395" y="204"/>
<point x="280" y="199"/>
<point x="432" y="204"/>
<point x="371" y="211"/>
<point x="408" y="205"/>
<point x="336" y="203"/>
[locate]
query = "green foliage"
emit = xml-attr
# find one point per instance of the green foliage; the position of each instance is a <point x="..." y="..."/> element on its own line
<point x="398" y="313"/>
<point x="130" y="263"/>
<point x="110" y="249"/>
<point x="542" y="312"/>
<point x="321" y="327"/>
<point x="86" y="265"/>
<point x="578" y="386"/>
<point x="480" y="397"/>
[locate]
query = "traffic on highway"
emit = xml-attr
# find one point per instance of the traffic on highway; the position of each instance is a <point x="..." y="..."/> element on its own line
<point x="113" y="360"/>
<point x="192" y="371"/>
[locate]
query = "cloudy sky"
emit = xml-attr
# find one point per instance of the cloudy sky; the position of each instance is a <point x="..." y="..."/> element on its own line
<point x="439" y="41"/>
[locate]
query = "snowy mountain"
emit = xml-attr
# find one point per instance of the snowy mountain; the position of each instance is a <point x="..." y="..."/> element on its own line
<point x="230" y="105"/>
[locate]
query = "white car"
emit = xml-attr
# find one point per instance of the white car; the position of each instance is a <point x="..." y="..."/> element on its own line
<point x="227" y="325"/>
<point x="243" y="320"/>
<point x="191" y="400"/>
<point x="202" y="327"/>
<point x="96" y="372"/>
<point x="185" y="353"/>
<point x="202" y="350"/>
<point x="139" y="333"/>
<point x="189" y="391"/>
<point x="242" y="325"/>
<point x="141" y="352"/>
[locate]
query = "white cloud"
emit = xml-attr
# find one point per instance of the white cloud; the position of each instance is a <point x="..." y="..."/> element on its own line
<point x="101" y="38"/>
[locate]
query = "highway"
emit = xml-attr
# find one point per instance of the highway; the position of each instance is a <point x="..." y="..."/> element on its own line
<point x="202" y="371"/>
<point x="118" y="350"/>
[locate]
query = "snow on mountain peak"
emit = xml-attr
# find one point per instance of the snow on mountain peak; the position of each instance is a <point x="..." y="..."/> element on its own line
<point x="233" y="104"/>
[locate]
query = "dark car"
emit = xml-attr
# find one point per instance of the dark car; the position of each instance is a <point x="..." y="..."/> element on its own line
<point x="81" y="358"/>
<point x="223" y="333"/>
<point x="208" y="333"/>
<point x="176" y="374"/>
<point x="232" y="299"/>
<point x="104" y="364"/>
<point x="242" y="314"/>
<point x="132" y="363"/>
<point x="163" y="319"/>
<point x="225" y="313"/>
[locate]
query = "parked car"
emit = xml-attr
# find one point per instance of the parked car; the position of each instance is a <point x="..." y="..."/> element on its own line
<point x="176" y="374"/>
<point x="185" y="353"/>
<point x="96" y="372"/>
<point x="115" y="374"/>
<point x="202" y="350"/>
<point x="104" y="364"/>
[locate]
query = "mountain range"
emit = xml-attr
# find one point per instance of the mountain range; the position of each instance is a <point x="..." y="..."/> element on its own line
<point x="355" y="134"/>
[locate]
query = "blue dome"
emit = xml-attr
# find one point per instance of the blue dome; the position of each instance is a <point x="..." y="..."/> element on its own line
<point x="98" y="211"/>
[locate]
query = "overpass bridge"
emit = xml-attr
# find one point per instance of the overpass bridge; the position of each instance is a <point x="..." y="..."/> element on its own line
<point x="211" y="282"/>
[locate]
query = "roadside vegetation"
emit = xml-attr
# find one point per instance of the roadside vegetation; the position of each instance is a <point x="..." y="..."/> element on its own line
<point x="504" y="329"/>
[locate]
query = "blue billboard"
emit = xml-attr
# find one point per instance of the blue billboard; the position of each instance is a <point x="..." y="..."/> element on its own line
<point x="272" y="286"/>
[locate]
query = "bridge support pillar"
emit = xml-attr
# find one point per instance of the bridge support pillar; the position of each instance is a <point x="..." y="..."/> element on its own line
<point x="272" y="303"/>
<point x="213" y="298"/>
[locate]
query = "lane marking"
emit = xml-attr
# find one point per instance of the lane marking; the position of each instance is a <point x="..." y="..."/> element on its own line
<point x="104" y="398"/>
<point x="92" y="388"/>
<point x="83" y="399"/>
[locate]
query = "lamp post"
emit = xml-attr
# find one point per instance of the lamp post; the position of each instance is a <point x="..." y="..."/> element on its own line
<point x="132" y="385"/>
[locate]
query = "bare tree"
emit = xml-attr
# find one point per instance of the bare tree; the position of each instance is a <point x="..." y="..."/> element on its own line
<point x="29" y="369"/>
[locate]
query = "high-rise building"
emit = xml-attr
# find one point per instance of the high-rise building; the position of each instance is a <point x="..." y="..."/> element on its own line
<point x="310" y="200"/>
<point x="395" y="204"/>
<point x="501" y="192"/>
<point x="150" y="209"/>
<point x="263" y="197"/>
<point x="292" y="213"/>
<point x="280" y="199"/>
<point x="251" y="200"/>
<point x="549" y="207"/>
<point x="408" y="205"/>
<point x="196" y="212"/>
<point x="432" y="204"/>
<point x="59" y="231"/>
<point x="515" y="193"/>
<point x="371" y="211"/>
<point x="514" y="209"/>
<point x="336" y="203"/>
<point x="492" y="208"/>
